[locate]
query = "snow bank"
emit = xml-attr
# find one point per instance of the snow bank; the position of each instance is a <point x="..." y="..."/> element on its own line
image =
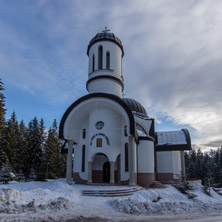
<point x="169" y="201"/>
<point x="56" y="201"/>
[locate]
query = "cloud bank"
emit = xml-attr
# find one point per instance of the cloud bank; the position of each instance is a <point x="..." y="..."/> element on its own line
<point x="172" y="61"/>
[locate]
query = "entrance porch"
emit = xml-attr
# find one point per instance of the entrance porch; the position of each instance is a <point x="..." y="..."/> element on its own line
<point x="101" y="170"/>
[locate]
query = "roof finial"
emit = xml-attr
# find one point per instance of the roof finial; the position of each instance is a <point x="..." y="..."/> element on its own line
<point x="106" y="30"/>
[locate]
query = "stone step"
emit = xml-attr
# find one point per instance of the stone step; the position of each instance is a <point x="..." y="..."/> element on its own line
<point x="111" y="193"/>
<point x="107" y="195"/>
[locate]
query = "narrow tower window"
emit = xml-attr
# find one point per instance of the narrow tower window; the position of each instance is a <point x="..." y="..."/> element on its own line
<point x="126" y="158"/>
<point x="107" y="60"/>
<point x="125" y="131"/>
<point x="83" y="158"/>
<point x="84" y="133"/>
<point x="93" y="63"/>
<point x="100" y="60"/>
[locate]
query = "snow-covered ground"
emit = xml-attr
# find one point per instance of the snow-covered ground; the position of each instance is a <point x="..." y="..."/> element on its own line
<point x="58" y="201"/>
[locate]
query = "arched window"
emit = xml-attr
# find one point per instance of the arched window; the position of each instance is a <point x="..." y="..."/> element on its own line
<point x="99" y="142"/>
<point x="93" y="63"/>
<point x="100" y="59"/>
<point x="84" y="133"/>
<point x="107" y="60"/>
<point x="83" y="157"/>
<point x="126" y="158"/>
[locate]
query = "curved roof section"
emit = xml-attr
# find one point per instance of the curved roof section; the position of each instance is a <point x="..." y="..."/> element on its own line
<point x="173" y="140"/>
<point x="135" y="107"/>
<point x="105" y="36"/>
<point x="95" y="95"/>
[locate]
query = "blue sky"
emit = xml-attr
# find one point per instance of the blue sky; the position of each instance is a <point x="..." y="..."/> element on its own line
<point x="172" y="62"/>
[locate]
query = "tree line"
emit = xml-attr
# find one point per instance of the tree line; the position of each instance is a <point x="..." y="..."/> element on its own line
<point x="206" y="166"/>
<point x="29" y="152"/>
<point x="32" y="152"/>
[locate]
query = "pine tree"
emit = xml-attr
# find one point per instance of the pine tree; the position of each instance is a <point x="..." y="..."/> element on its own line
<point x="34" y="147"/>
<point x="3" y="156"/>
<point x="43" y="166"/>
<point x="2" y="108"/>
<point x="6" y="174"/>
<point x="55" y="161"/>
<point x="22" y="152"/>
<point x="10" y="137"/>
<point x="20" y="176"/>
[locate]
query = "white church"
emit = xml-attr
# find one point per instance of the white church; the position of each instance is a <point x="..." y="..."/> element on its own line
<point x="111" y="139"/>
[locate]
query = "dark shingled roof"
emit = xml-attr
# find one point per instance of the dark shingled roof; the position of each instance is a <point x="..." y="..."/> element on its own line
<point x="135" y="107"/>
<point x="107" y="37"/>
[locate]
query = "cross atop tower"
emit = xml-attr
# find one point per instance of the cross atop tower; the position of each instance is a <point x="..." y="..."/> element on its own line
<point x="106" y="30"/>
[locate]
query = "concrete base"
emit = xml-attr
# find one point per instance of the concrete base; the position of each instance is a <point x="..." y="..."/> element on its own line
<point x="167" y="178"/>
<point x="78" y="179"/>
<point x="145" y="179"/>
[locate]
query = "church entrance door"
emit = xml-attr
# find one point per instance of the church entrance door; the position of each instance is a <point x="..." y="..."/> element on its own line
<point x="106" y="172"/>
<point x="100" y="169"/>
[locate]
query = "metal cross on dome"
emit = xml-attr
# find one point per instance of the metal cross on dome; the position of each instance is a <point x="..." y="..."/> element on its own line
<point x="106" y="30"/>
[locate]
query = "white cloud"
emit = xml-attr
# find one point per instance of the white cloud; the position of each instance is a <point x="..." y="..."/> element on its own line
<point x="172" y="60"/>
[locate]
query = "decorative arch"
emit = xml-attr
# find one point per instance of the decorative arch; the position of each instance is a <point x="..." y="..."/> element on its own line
<point x="101" y="135"/>
<point x="98" y="153"/>
<point x="114" y="98"/>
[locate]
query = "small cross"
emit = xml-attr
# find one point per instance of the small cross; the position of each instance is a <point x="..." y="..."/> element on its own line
<point x="106" y="30"/>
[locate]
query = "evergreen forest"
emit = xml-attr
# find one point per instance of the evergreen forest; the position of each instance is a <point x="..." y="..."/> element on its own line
<point x="206" y="166"/>
<point x="28" y="152"/>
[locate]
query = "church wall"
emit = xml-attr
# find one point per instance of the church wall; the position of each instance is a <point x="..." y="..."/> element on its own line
<point x="176" y="165"/>
<point x="115" y="57"/>
<point x="145" y="156"/>
<point x="112" y="129"/>
<point x="124" y="176"/>
<point x="168" y="166"/>
<point x="105" y="86"/>
<point x="77" y="163"/>
<point x="164" y="162"/>
<point x="146" y="124"/>
<point x="145" y="175"/>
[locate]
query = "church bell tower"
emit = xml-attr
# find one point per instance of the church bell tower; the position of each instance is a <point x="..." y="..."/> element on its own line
<point x="105" y="52"/>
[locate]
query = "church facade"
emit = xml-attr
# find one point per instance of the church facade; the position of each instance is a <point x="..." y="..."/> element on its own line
<point x="111" y="139"/>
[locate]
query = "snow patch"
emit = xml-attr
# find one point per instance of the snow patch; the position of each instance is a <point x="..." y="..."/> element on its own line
<point x="169" y="201"/>
<point x="58" y="201"/>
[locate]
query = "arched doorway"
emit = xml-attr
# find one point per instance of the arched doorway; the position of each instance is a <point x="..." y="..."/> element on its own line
<point x="100" y="169"/>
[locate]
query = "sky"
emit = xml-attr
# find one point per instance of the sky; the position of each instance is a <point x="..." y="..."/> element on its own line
<point x="172" y="63"/>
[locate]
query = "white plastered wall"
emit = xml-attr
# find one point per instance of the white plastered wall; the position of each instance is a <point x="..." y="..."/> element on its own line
<point x="85" y="116"/>
<point x="176" y="164"/>
<point x="164" y="162"/>
<point x="105" y="86"/>
<point x="112" y="128"/>
<point x="115" y="57"/>
<point x="145" y="156"/>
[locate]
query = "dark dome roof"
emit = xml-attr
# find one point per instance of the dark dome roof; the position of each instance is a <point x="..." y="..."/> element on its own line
<point x="135" y="106"/>
<point x="107" y="37"/>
